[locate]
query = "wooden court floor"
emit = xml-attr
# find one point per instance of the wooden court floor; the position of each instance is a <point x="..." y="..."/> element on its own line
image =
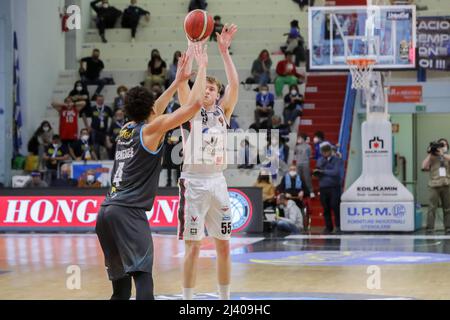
<point x="41" y="266"/>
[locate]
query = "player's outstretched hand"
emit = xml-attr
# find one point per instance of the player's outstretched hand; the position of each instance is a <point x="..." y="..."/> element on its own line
<point x="200" y="53"/>
<point x="182" y="69"/>
<point x="225" y="37"/>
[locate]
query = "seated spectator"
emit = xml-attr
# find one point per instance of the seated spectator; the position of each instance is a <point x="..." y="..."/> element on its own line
<point x="131" y="17"/>
<point x="90" y="68"/>
<point x="68" y="119"/>
<point x="80" y="93"/>
<point x="54" y="155"/>
<point x="197" y="4"/>
<point x="286" y="74"/>
<point x="292" y="222"/>
<point x="293" y="105"/>
<point x="268" y="190"/>
<point x="173" y="68"/>
<point x="40" y="140"/>
<point x="156" y="70"/>
<point x="89" y="180"/>
<point x="119" y="101"/>
<point x="233" y="122"/>
<point x="292" y="186"/>
<point x="64" y="179"/>
<point x="261" y="68"/>
<point x="264" y="105"/>
<point x="101" y="116"/>
<point x="113" y="131"/>
<point x="106" y="16"/>
<point x="36" y="181"/>
<point x="218" y="26"/>
<point x="83" y="149"/>
<point x="302" y="156"/>
<point x="282" y="128"/>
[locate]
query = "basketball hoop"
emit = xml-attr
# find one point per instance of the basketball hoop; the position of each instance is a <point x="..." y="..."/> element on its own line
<point x="361" y="69"/>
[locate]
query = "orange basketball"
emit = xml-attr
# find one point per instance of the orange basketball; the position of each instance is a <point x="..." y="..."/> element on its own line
<point x="198" y="25"/>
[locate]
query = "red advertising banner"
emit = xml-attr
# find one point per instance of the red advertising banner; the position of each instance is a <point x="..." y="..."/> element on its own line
<point x="27" y="211"/>
<point x="405" y="94"/>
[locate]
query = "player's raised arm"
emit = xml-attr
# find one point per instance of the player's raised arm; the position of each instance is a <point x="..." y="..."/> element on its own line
<point x="159" y="125"/>
<point x="232" y="90"/>
<point x="184" y="68"/>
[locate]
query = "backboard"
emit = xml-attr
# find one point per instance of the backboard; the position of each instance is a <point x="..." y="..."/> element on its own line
<point x="387" y="33"/>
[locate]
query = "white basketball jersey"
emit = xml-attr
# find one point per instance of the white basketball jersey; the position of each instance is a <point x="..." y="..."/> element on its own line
<point x="204" y="149"/>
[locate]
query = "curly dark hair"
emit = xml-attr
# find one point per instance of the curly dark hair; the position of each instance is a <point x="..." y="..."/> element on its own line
<point x="138" y="104"/>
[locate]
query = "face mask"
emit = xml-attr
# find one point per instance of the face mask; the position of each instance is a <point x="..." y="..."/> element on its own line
<point x="299" y="141"/>
<point x="122" y="94"/>
<point x="293" y="92"/>
<point x="445" y="149"/>
<point x="85" y="137"/>
<point x="264" y="92"/>
<point x="316" y="140"/>
<point x="46" y="129"/>
<point x="105" y="5"/>
<point x="79" y="89"/>
<point x="56" y="145"/>
<point x="292" y="173"/>
<point x="90" y="178"/>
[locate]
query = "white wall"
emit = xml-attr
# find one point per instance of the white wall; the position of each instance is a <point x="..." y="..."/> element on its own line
<point x="41" y="52"/>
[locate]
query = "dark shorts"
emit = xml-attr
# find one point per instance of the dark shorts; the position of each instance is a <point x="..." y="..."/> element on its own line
<point x="126" y="240"/>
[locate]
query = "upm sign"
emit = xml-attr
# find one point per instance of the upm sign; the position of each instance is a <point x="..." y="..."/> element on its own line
<point x="73" y="212"/>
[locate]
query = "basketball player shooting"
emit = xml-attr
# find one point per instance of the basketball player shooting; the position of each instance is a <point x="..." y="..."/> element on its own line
<point x="204" y="197"/>
<point x="122" y="226"/>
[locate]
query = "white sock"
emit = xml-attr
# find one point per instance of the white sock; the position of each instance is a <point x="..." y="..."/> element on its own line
<point x="188" y="293"/>
<point x="224" y="292"/>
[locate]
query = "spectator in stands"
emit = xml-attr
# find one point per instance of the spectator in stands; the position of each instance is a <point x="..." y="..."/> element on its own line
<point x="283" y="129"/>
<point x="119" y="101"/>
<point x="156" y="70"/>
<point x="173" y="68"/>
<point x="292" y="222"/>
<point x="295" y="43"/>
<point x="328" y="171"/>
<point x="106" y="16"/>
<point x="303" y="3"/>
<point x="302" y="155"/>
<point x="64" y="180"/>
<point x="286" y="74"/>
<point x="291" y="185"/>
<point x="41" y="138"/>
<point x="218" y="26"/>
<point x="114" y="130"/>
<point x="171" y="141"/>
<point x="318" y="139"/>
<point x="247" y="155"/>
<point x="54" y="155"/>
<point x="83" y="149"/>
<point x="261" y="68"/>
<point x="131" y="17"/>
<point x="293" y="105"/>
<point x="101" y="116"/>
<point x="197" y="4"/>
<point x="89" y="180"/>
<point x="90" y="68"/>
<point x="35" y="181"/>
<point x="68" y="119"/>
<point x="264" y="105"/>
<point x="268" y="189"/>
<point x="80" y="93"/>
<point x="157" y="90"/>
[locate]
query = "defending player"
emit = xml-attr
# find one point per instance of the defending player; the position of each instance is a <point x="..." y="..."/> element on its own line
<point x="122" y="226"/>
<point x="203" y="189"/>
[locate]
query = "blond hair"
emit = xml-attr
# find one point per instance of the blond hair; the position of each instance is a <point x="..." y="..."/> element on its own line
<point x="215" y="81"/>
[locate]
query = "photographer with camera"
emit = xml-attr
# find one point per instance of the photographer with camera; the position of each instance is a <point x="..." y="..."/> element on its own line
<point x="438" y="164"/>
<point x="328" y="170"/>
